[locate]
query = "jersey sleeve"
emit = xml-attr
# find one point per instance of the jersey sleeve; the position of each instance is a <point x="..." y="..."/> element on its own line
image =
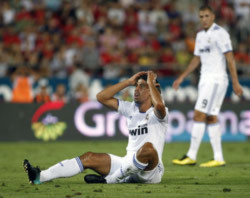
<point x="196" y="47"/>
<point x="124" y="107"/>
<point x="224" y="42"/>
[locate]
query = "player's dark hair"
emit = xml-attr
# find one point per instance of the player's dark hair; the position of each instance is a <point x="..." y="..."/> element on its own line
<point x="206" y="7"/>
<point x="145" y="77"/>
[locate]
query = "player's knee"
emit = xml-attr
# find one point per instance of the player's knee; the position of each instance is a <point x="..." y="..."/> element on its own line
<point x="146" y="150"/>
<point x="86" y="156"/>
<point x="199" y="116"/>
<point x="212" y="119"/>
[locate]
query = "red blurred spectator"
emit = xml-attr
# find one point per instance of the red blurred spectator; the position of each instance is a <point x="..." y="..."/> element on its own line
<point x="23" y="14"/>
<point x="42" y="39"/>
<point x="38" y="13"/>
<point x="167" y="60"/>
<point x="68" y="27"/>
<point x="167" y="56"/>
<point x="106" y="56"/>
<point x="241" y="56"/>
<point x="99" y="11"/>
<point x="117" y="56"/>
<point x="48" y="51"/>
<point x="10" y="37"/>
<point x="152" y="42"/>
<point x="131" y="25"/>
<point x="175" y="28"/>
<point x="133" y="56"/>
<point x="75" y="38"/>
<point x="227" y="13"/>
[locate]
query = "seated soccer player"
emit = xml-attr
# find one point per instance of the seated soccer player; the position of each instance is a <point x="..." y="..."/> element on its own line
<point x="147" y="125"/>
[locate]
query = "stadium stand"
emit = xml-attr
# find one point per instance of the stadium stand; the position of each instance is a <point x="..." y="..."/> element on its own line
<point x="111" y="38"/>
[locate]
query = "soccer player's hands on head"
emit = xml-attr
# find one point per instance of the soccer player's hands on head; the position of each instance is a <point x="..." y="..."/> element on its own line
<point x="133" y="79"/>
<point x="151" y="77"/>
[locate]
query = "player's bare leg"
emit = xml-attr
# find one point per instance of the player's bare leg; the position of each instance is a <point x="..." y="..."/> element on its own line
<point x="148" y="155"/>
<point x="197" y="133"/>
<point x="99" y="162"/>
<point x="214" y="132"/>
<point x="146" y="158"/>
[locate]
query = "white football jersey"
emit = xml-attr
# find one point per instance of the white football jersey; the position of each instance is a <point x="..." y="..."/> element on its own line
<point x="144" y="127"/>
<point x="210" y="46"/>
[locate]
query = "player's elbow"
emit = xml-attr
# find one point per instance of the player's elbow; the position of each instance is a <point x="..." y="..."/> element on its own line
<point x="160" y="106"/>
<point x="100" y="97"/>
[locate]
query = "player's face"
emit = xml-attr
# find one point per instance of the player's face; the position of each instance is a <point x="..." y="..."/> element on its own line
<point x="141" y="93"/>
<point x="206" y="18"/>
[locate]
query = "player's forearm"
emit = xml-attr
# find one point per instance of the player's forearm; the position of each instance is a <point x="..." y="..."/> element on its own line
<point x="110" y="91"/>
<point x="232" y="67"/>
<point x="233" y="72"/>
<point x="191" y="67"/>
<point x="157" y="101"/>
<point x="155" y="95"/>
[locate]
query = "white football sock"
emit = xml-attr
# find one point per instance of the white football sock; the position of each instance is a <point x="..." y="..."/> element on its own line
<point x="133" y="166"/>
<point x="66" y="168"/>
<point x="214" y="132"/>
<point x="196" y="138"/>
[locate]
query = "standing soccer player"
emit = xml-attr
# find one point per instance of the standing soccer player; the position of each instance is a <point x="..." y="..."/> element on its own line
<point x="147" y="125"/>
<point x="212" y="49"/>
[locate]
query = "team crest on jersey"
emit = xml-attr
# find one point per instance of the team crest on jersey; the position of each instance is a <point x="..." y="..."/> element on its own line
<point x="147" y="117"/>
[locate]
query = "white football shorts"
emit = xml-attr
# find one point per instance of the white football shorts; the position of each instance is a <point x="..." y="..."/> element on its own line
<point x="150" y="177"/>
<point x="210" y="96"/>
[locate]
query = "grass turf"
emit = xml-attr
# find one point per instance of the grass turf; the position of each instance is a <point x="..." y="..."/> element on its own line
<point x="233" y="180"/>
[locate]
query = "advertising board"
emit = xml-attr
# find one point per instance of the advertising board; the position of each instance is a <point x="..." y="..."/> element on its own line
<point x="91" y="120"/>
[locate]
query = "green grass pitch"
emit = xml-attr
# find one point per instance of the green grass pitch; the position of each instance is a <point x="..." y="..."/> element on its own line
<point x="233" y="180"/>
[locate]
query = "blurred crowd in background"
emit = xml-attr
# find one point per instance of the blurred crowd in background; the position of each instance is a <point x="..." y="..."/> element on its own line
<point x="83" y="39"/>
